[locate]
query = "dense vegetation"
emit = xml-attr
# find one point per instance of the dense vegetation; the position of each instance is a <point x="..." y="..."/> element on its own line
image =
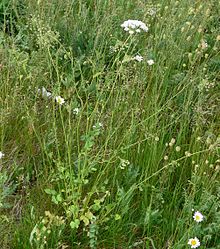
<point x="109" y="139"/>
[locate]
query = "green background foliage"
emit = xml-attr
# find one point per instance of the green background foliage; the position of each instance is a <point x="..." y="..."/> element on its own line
<point x="134" y="148"/>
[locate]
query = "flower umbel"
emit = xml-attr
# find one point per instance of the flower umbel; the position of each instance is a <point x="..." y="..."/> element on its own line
<point x="138" y="58"/>
<point x="198" y="217"/>
<point x="60" y="100"/>
<point x="133" y="26"/>
<point x="194" y="242"/>
<point x="124" y="163"/>
<point x="76" y="111"/>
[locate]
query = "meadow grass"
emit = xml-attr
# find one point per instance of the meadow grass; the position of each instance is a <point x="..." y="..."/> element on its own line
<point x="133" y="150"/>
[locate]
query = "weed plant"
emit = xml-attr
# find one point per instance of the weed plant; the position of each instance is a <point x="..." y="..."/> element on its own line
<point x="109" y="134"/>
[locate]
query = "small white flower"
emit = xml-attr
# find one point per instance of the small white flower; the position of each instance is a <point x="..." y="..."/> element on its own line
<point x="157" y="139"/>
<point x="194" y="242"/>
<point x="60" y="100"/>
<point x="150" y="62"/>
<point x="1" y="155"/>
<point x="198" y="217"/>
<point x="76" y="110"/>
<point x="124" y="163"/>
<point x="178" y="148"/>
<point x="138" y="58"/>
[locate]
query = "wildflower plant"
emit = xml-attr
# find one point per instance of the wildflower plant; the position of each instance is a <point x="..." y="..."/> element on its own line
<point x="49" y="226"/>
<point x="131" y="145"/>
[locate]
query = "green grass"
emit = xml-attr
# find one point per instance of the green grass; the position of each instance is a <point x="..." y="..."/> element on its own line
<point x="140" y="155"/>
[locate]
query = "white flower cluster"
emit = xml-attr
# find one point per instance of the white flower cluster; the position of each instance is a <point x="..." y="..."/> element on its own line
<point x="76" y="110"/>
<point x="133" y="26"/>
<point x="124" y="163"/>
<point x="138" y="58"/>
<point x="150" y="62"/>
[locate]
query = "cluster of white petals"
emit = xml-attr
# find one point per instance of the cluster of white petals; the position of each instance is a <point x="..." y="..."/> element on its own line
<point x="1" y="155"/>
<point x="76" y="110"/>
<point x="150" y="62"/>
<point x="133" y="26"/>
<point x="198" y="217"/>
<point x="138" y="58"/>
<point x="60" y="100"/>
<point x="194" y="242"/>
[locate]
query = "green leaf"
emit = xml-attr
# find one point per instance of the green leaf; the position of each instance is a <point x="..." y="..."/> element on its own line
<point x="89" y="215"/>
<point x="97" y="75"/>
<point x="75" y="224"/>
<point x="117" y="217"/>
<point x="84" y="219"/>
<point x="59" y="198"/>
<point x="50" y="191"/>
<point x="54" y="200"/>
<point x="96" y="206"/>
<point x="74" y="210"/>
